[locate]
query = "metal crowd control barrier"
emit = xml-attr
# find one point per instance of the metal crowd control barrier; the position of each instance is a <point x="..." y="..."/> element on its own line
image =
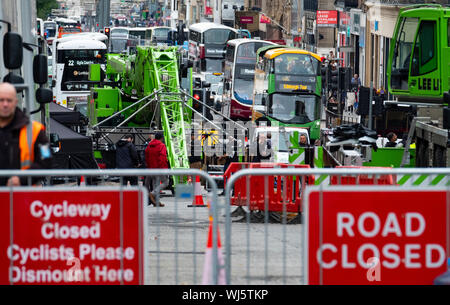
<point x="273" y="253"/>
<point x="174" y="241"/>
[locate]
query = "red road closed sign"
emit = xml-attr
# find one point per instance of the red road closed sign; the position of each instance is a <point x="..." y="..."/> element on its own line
<point x="72" y="236"/>
<point x="382" y="235"/>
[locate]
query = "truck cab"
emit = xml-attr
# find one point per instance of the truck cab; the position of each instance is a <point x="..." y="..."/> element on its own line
<point x="418" y="70"/>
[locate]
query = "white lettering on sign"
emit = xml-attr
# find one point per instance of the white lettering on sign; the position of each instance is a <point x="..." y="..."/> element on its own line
<point x="24" y="275"/>
<point x="409" y="224"/>
<point x="362" y="228"/>
<point x="72" y="63"/>
<point x="82" y="236"/>
<point x="319" y="256"/>
<point x="346" y="221"/>
<point x="110" y="253"/>
<point x="391" y="256"/>
<point x="391" y="226"/>
<point x="391" y="259"/>
<point x="44" y="211"/>
<point x="41" y="253"/>
<point x="103" y="274"/>
<point x="50" y="230"/>
<point x="345" y="263"/>
<point x="362" y="250"/>
<point x="428" y="255"/>
<point x="410" y="255"/>
<point x="248" y="71"/>
<point x="215" y="51"/>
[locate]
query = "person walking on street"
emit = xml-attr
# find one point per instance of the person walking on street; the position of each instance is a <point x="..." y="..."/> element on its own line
<point x="127" y="157"/>
<point x="15" y="150"/>
<point x="156" y="157"/>
<point x="355" y="85"/>
<point x="148" y="179"/>
<point x="355" y="82"/>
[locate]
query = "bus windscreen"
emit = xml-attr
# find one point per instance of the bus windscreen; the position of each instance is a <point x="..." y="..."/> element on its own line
<point x="76" y="67"/>
<point x="161" y="34"/>
<point x="140" y="34"/>
<point x="118" y="45"/>
<point x="299" y="64"/>
<point x="218" y="36"/>
<point x="243" y="83"/>
<point x="305" y="109"/>
<point x="246" y="53"/>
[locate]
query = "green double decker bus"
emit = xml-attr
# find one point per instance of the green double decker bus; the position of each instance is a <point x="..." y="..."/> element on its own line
<point x="287" y="88"/>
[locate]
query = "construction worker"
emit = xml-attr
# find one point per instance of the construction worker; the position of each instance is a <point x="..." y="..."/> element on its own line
<point x="15" y="150"/>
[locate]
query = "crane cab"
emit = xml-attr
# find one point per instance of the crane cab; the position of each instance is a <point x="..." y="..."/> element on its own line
<point x="418" y="68"/>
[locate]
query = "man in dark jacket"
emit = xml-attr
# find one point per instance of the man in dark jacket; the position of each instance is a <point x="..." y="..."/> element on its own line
<point x="127" y="157"/>
<point x="156" y="157"/>
<point x="392" y="137"/>
<point x="14" y="146"/>
<point x="309" y="150"/>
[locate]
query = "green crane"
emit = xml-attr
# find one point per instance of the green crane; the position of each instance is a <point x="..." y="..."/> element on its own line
<point x="418" y="73"/>
<point x="150" y="76"/>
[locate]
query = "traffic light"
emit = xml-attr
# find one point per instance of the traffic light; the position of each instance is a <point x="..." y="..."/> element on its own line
<point x="363" y="103"/>
<point x="107" y="32"/>
<point x="197" y="95"/>
<point x="345" y="78"/>
<point x="378" y="107"/>
<point x="324" y="74"/>
<point x="334" y="79"/>
<point x="329" y="77"/>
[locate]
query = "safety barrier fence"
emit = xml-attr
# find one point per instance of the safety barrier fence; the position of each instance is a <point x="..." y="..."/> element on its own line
<point x="278" y="232"/>
<point x="107" y="233"/>
<point x="335" y="232"/>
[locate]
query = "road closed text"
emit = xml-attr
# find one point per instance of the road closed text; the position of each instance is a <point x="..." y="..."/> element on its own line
<point x="369" y="225"/>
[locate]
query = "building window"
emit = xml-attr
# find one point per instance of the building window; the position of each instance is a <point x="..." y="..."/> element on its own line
<point x="310" y="5"/>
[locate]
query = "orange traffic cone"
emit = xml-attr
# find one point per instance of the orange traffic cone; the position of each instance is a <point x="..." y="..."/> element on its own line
<point x="207" y="267"/>
<point x="198" y="198"/>
<point x="82" y="182"/>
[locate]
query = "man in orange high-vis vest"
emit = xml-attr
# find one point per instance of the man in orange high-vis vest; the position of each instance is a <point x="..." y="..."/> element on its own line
<point x="15" y="150"/>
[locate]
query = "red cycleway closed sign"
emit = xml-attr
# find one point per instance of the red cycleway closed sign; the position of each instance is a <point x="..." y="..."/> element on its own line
<point x="382" y="235"/>
<point x="72" y="236"/>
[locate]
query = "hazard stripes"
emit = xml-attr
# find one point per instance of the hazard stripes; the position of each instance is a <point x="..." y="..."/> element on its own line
<point x="403" y="180"/>
<point x="298" y="156"/>
<point x="423" y="180"/>
<point x="322" y="179"/>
